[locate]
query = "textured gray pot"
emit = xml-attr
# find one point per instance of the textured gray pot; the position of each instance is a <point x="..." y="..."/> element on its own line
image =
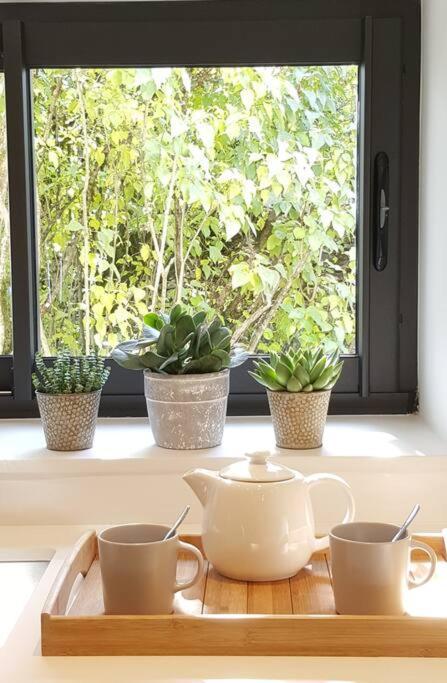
<point x="69" y="420"/>
<point x="187" y="411"/>
<point x="299" y="418"/>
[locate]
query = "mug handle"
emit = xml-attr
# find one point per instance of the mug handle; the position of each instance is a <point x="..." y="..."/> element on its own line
<point x="432" y="555"/>
<point x="313" y="480"/>
<point x="187" y="547"/>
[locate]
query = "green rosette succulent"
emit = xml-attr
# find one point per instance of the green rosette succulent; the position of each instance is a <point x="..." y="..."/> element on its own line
<point x="180" y="343"/>
<point x="298" y="371"/>
<point x="69" y="374"/>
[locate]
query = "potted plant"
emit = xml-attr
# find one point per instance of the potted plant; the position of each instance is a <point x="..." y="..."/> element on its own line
<point x="68" y="393"/>
<point x="186" y="378"/>
<point x="299" y="387"/>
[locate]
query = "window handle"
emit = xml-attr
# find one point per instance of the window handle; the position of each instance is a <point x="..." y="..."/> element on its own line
<point x="381" y="210"/>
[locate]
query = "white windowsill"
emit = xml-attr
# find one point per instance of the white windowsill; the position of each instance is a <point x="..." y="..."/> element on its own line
<point x="126" y="446"/>
<point x="390" y="462"/>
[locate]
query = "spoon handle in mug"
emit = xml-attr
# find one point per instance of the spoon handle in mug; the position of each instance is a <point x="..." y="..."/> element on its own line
<point x="403" y="529"/>
<point x="177" y="523"/>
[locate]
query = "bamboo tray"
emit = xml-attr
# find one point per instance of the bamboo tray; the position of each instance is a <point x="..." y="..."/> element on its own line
<point x="220" y="616"/>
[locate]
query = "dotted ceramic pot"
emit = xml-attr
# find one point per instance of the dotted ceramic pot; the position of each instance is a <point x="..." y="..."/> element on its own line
<point x="187" y="411"/>
<point x="299" y="418"/>
<point x="69" y="420"/>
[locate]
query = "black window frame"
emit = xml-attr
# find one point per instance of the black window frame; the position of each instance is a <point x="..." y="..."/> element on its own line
<point x="381" y="36"/>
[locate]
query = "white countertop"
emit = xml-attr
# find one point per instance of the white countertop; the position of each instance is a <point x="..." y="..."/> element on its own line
<point x="20" y="659"/>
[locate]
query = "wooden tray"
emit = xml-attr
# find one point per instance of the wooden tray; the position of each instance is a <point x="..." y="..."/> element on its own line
<point x="219" y="616"/>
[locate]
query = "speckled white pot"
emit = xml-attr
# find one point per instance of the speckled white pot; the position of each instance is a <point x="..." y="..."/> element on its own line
<point x="69" y="420"/>
<point x="187" y="412"/>
<point x="299" y="418"/>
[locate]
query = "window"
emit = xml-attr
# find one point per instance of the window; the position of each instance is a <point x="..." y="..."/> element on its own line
<point x="198" y="151"/>
<point x="231" y="188"/>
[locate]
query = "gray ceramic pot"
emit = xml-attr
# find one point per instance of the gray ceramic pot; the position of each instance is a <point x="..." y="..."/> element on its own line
<point x="69" y="420"/>
<point x="187" y="411"/>
<point x="299" y="418"/>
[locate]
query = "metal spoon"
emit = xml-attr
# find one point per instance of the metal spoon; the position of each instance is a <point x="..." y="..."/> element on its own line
<point x="177" y="523"/>
<point x="400" y="534"/>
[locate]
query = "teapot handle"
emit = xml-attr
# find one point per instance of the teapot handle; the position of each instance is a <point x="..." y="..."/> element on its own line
<point x="313" y="480"/>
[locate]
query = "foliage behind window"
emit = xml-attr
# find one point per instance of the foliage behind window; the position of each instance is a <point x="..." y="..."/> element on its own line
<point x="5" y="259"/>
<point x="230" y="188"/>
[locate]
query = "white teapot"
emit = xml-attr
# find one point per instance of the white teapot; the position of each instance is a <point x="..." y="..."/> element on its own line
<point x="258" y="522"/>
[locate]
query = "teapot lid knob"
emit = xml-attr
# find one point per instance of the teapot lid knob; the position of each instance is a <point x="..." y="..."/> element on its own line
<point x="257" y="467"/>
<point x="259" y="457"/>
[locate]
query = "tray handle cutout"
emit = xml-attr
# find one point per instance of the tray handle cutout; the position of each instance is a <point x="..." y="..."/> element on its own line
<point x="77" y="562"/>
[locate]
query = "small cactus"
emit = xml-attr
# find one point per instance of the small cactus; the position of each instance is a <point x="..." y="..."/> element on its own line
<point x="299" y="371"/>
<point x="69" y="374"/>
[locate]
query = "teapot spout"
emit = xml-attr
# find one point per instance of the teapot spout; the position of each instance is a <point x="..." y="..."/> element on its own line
<point x="202" y="483"/>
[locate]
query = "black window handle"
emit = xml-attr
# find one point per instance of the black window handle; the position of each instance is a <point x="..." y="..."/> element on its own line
<point x="381" y="210"/>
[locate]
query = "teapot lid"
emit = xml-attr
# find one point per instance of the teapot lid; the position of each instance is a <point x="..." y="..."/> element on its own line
<point x="257" y="468"/>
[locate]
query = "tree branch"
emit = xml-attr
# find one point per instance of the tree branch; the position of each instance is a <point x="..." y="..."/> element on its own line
<point x="164" y="233"/>
<point x="147" y="204"/>
<point x="281" y="295"/>
<point x="252" y="318"/>
<point x="84" y="195"/>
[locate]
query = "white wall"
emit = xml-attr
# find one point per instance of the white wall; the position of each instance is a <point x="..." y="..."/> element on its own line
<point x="433" y="214"/>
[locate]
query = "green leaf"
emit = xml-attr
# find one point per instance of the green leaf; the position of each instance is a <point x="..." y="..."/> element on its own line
<point x="173" y="358"/>
<point x="166" y="341"/>
<point x="152" y="360"/>
<point x="154" y="320"/>
<point x="308" y="388"/>
<point x="282" y="373"/>
<point x="184" y="330"/>
<point x="247" y="98"/>
<point x="240" y="275"/>
<point x="127" y="360"/>
<point x="199" y="318"/>
<point x="53" y="157"/>
<point x="100" y="157"/>
<point x="301" y="374"/>
<point x="208" y="363"/>
<point x="323" y="379"/>
<point x="150" y="333"/>
<point x="145" y="252"/>
<point x="270" y="278"/>
<point x="176" y="312"/>
<point x="294" y="384"/>
<point x="266" y="381"/>
<point x="317" y="369"/>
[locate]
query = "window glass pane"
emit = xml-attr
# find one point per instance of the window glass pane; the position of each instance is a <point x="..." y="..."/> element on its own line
<point x="5" y="252"/>
<point x="233" y="188"/>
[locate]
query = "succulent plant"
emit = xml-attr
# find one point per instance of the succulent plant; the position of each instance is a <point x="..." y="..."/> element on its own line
<point x="298" y="370"/>
<point x="70" y="374"/>
<point x="180" y="343"/>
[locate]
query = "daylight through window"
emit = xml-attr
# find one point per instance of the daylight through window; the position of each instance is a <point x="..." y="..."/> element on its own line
<point x="5" y="252"/>
<point x="233" y="189"/>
